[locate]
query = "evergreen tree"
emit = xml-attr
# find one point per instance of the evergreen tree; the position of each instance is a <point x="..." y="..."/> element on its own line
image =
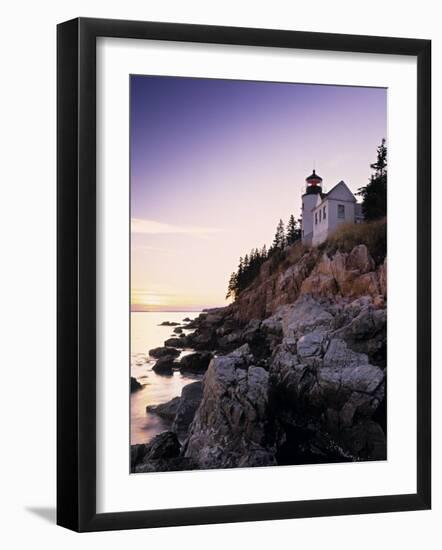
<point x="240" y="268"/>
<point x="293" y="230"/>
<point x="249" y="266"/>
<point x="374" y="194"/>
<point x="380" y="166"/>
<point x="231" y="289"/>
<point x="279" y="239"/>
<point x="246" y="262"/>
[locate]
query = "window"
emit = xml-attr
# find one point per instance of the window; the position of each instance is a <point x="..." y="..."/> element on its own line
<point x="324" y="214"/>
<point x="341" y="211"/>
<point x="320" y="216"/>
<point x="316" y="218"/>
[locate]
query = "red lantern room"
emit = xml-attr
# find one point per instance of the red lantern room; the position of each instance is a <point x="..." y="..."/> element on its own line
<point x="314" y="184"/>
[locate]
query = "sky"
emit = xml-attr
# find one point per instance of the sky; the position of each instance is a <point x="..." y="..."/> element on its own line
<point x="216" y="163"/>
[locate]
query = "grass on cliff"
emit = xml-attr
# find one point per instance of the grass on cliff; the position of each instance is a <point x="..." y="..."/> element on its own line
<point x="280" y="260"/>
<point x="345" y="238"/>
<point x="372" y="234"/>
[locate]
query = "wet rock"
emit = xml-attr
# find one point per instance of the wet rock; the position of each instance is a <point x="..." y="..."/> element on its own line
<point x="134" y="384"/>
<point x="163" y="447"/>
<point x="175" y="342"/>
<point x="168" y="324"/>
<point x="187" y="406"/>
<point x="137" y="453"/>
<point x="203" y="340"/>
<point x="178" y="330"/>
<point x="197" y="362"/>
<point x="163" y="351"/>
<point x="165" y="365"/>
<point x="165" y="410"/>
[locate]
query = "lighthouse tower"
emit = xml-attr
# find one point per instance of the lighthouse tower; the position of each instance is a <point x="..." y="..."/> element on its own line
<point x="310" y="198"/>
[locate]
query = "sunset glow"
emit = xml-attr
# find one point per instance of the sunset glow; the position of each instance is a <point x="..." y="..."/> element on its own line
<point x="215" y="164"/>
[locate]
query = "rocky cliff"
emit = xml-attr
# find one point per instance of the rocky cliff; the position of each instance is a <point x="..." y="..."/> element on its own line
<point x="298" y="373"/>
<point x="316" y="271"/>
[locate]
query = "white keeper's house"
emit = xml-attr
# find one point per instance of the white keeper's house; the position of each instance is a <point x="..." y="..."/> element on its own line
<point x="323" y="212"/>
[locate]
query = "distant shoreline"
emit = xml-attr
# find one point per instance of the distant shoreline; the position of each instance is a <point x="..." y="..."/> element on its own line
<point x="191" y="310"/>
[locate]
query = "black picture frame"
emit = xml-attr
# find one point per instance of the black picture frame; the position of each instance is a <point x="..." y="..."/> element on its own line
<point x="77" y="287"/>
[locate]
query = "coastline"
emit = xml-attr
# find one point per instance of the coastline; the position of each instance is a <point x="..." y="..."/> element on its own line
<point x="294" y="371"/>
<point x="154" y="389"/>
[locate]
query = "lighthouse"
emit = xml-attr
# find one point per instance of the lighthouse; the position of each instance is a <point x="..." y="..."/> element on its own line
<point x="313" y="194"/>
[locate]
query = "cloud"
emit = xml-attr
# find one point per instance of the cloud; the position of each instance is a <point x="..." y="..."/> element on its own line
<point x="151" y="227"/>
<point x="148" y="248"/>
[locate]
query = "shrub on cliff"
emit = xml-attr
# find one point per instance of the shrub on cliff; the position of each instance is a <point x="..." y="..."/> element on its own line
<point x="372" y="234"/>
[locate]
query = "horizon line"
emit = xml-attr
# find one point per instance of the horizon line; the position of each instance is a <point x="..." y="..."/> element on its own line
<point x="147" y="309"/>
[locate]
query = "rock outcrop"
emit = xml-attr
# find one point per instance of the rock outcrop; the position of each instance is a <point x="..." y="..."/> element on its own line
<point x="180" y="411"/>
<point x="230" y="426"/>
<point x="314" y="271"/>
<point x="321" y="385"/>
<point x="162" y="454"/>
<point x="319" y="401"/>
<point x="197" y="362"/>
<point x="295" y="368"/>
<point x="191" y="396"/>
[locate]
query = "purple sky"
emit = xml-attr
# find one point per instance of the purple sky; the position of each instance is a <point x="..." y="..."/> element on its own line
<point x="216" y="163"/>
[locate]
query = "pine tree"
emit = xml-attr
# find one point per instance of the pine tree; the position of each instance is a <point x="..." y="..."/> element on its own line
<point x="240" y="266"/>
<point x="279" y="239"/>
<point x="292" y="230"/>
<point x="231" y="289"/>
<point x="380" y="166"/>
<point x="374" y="194"/>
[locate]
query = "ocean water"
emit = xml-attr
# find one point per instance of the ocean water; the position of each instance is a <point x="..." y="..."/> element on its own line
<point x="146" y="333"/>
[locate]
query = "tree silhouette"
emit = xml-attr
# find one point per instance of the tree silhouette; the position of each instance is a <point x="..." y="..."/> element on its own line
<point x="293" y="230"/>
<point x="279" y="238"/>
<point x="374" y="194"/>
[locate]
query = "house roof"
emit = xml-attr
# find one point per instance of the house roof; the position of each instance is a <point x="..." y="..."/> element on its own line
<point x="346" y="195"/>
<point x="340" y="186"/>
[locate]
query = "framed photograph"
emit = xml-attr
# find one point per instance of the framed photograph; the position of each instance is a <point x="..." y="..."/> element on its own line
<point x="240" y="212"/>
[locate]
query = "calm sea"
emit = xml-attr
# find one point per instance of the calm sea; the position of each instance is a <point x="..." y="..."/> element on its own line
<point x="145" y="335"/>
